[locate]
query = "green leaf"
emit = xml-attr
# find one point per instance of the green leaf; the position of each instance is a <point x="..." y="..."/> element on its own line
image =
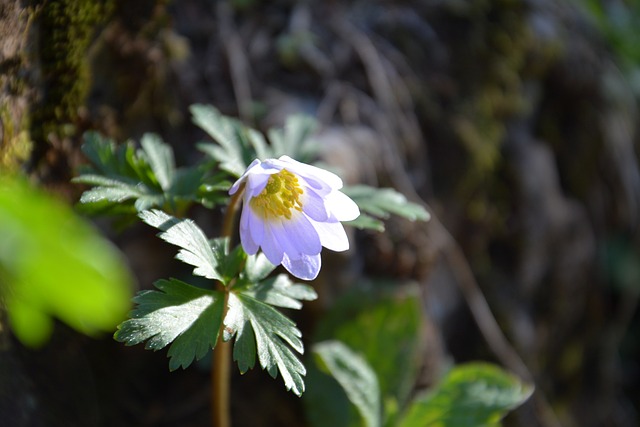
<point x="160" y="158"/>
<point x="261" y="329"/>
<point x="280" y="291"/>
<point x="366" y="222"/>
<point x="234" y="141"/>
<point x="257" y="267"/>
<point x="184" y="233"/>
<point x="188" y="317"/>
<point x="475" y="394"/>
<point x="238" y="145"/>
<point x="295" y="139"/>
<point x="53" y="264"/>
<point x="381" y="203"/>
<point x="384" y="324"/>
<point x="142" y="179"/>
<point x="355" y="376"/>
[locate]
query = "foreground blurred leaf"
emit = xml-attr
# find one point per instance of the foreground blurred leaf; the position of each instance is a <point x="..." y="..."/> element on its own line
<point x="53" y="264"/>
<point x="355" y="376"/>
<point x="381" y="203"/>
<point x="178" y="313"/>
<point x="471" y="395"/>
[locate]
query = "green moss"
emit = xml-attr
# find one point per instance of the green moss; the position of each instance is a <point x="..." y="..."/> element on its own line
<point x="65" y="32"/>
<point x="15" y="142"/>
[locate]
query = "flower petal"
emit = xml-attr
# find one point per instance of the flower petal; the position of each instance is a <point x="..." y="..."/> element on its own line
<point x="298" y="237"/>
<point x="248" y="243"/>
<point x="256" y="226"/>
<point x="270" y="245"/>
<point x="341" y="206"/>
<point x="332" y="235"/>
<point x="313" y="205"/>
<point x="306" y="268"/>
<point x="314" y="173"/>
<point x="236" y="185"/>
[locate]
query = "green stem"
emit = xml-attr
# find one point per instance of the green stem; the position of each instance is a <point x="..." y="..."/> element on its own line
<point x="221" y="360"/>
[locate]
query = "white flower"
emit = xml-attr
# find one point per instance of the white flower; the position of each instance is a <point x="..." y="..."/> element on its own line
<point x="291" y="210"/>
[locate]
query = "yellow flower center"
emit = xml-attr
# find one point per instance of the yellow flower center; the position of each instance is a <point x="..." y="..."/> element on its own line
<point x="279" y="197"/>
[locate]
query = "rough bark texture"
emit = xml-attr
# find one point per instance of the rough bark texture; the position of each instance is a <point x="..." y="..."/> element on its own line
<point x="509" y="118"/>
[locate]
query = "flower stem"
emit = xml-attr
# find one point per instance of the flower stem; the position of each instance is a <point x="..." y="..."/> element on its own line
<point x="220" y="379"/>
<point x="221" y="360"/>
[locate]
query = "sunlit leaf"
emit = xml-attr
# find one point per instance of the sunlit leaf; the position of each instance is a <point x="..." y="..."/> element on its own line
<point x="54" y="264"/>
<point x="195" y="250"/>
<point x="280" y="291"/>
<point x="179" y="314"/>
<point x="381" y="203"/>
<point x="233" y="148"/>
<point x="138" y="180"/>
<point x="355" y="376"/>
<point x="474" y="394"/>
<point x="261" y="329"/>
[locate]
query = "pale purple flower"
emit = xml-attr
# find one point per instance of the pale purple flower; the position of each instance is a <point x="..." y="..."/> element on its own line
<point x="291" y="210"/>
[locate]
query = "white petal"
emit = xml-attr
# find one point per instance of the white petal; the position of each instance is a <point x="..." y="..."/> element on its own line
<point x="313" y="205"/>
<point x="305" y="268"/>
<point x="299" y="237"/>
<point x="312" y="172"/>
<point x="270" y="245"/>
<point x="256" y="226"/>
<point x="341" y="206"/>
<point x="248" y="244"/>
<point x="243" y="177"/>
<point x="332" y="235"/>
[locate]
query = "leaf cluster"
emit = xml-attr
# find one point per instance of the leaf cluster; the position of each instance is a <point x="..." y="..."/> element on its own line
<point x="357" y="382"/>
<point x="129" y="180"/>
<point x="191" y="318"/>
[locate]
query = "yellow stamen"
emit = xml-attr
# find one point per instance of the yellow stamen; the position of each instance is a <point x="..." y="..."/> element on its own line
<point x="281" y="195"/>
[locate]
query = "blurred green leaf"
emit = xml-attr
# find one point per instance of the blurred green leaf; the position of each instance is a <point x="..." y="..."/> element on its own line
<point x="294" y="140"/>
<point x="54" y="264"/>
<point x="355" y="376"/>
<point x="383" y="324"/>
<point x="471" y="395"/>
<point x="237" y="145"/>
<point x="181" y="314"/>
<point x="381" y="203"/>
<point x="234" y="149"/>
<point x="261" y="329"/>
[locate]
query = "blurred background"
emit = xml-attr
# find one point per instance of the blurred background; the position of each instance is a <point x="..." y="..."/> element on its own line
<point x="514" y="121"/>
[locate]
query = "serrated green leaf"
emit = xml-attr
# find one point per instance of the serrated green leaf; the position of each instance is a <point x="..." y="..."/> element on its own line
<point x="195" y="250"/>
<point x="381" y="202"/>
<point x="294" y="140"/>
<point x="280" y="291"/>
<point x="366" y="222"/>
<point x="160" y="157"/>
<point x="355" y="376"/>
<point x="231" y="136"/>
<point x="53" y="264"/>
<point x="257" y="267"/>
<point x="178" y="313"/>
<point x="261" y="329"/>
<point x="474" y="394"/>
<point x="144" y="178"/>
